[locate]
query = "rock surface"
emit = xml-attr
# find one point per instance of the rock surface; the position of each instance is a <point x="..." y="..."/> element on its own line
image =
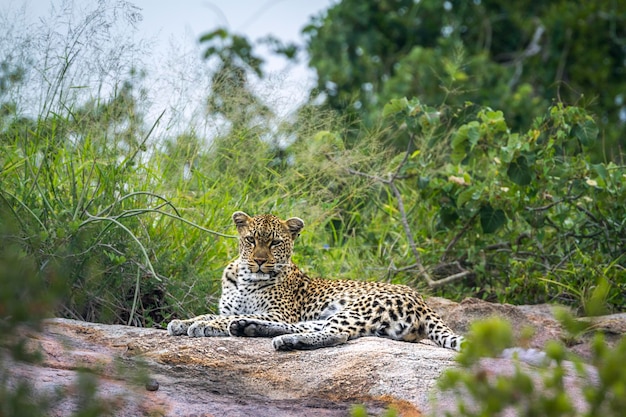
<point x="246" y="377"/>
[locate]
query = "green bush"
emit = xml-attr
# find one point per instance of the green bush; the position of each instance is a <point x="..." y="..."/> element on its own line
<point x="479" y="394"/>
<point x="521" y="217"/>
<point x="30" y="292"/>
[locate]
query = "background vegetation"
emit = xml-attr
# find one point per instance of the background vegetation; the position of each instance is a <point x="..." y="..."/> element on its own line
<point x="434" y="190"/>
<point x="458" y="189"/>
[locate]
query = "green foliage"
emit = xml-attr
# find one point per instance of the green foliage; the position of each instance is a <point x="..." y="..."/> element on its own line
<point x="515" y="56"/>
<point x="487" y="338"/>
<point x="480" y="394"/>
<point x="527" y="212"/>
<point x="231" y="95"/>
<point x="29" y="293"/>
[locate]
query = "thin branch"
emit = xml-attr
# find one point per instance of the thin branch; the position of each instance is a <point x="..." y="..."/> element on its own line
<point x="458" y="237"/>
<point x="498" y="246"/>
<point x="404" y="268"/>
<point x="565" y="258"/>
<point x="554" y="203"/>
<point x="589" y="214"/>
<point x="580" y="236"/>
<point x="133" y="194"/>
<point x="135" y="297"/>
<point x="448" y="279"/>
<point x="533" y="48"/>
<point x="363" y="174"/>
<point x="91" y="218"/>
<point x="404" y="159"/>
<point x="409" y="234"/>
<point x="134" y="212"/>
<point x="546" y="260"/>
<point x="145" y="139"/>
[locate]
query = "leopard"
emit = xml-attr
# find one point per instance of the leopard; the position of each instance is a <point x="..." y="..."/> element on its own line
<point x="265" y="294"/>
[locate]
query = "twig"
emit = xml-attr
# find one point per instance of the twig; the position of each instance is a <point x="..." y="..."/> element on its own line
<point x="565" y="258"/>
<point x="91" y="218"/>
<point x="136" y="193"/>
<point x="554" y="203"/>
<point x="498" y="246"/>
<point x="363" y="174"/>
<point x="448" y="279"/>
<point x="409" y="234"/>
<point x="72" y="313"/>
<point x="135" y="212"/>
<point x="588" y="213"/>
<point x="404" y="159"/>
<point x="390" y="182"/>
<point x="404" y="268"/>
<point x="533" y="48"/>
<point x="143" y="142"/>
<point x="457" y="237"/>
<point x="135" y="297"/>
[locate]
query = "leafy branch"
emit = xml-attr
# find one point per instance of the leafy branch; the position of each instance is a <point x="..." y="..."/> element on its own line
<point x="390" y="181"/>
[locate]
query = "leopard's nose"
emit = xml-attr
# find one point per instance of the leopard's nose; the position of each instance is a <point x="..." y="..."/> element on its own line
<point x="260" y="261"/>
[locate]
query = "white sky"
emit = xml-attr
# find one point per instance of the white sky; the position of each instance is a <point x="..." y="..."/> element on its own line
<point x="173" y="28"/>
<point x="190" y="19"/>
<point x="185" y="21"/>
<point x="284" y="19"/>
<point x="255" y="18"/>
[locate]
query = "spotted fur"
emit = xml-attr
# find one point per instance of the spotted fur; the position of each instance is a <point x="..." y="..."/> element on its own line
<point x="264" y="294"/>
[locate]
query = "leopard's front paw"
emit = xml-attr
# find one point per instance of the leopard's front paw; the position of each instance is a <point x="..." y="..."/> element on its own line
<point x="245" y="327"/>
<point x="177" y="328"/>
<point x="286" y="342"/>
<point x="197" y="329"/>
<point x="206" y="329"/>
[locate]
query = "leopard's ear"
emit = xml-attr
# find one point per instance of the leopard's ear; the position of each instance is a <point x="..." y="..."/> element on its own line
<point x="295" y="226"/>
<point x="241" y="220"/>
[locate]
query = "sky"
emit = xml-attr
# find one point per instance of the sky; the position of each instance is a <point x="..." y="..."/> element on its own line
<point x="177" y="25"/>
<point x="283" y="19"/>
<point x="255" y="18"/>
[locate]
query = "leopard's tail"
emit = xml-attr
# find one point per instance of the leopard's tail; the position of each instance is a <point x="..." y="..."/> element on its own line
<point x="441" y="334"/>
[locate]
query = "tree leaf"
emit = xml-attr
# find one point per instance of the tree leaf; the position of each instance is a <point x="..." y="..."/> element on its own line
<point x="473" y="134"/>
<point x="586" y="132"/>
<point x="395" y="106"/>
<point x="519" y="172"/>
<point x="600" y="170"/>
<point x="490" y="219"/>
<point x="220" y="33"/>
<point x="465" y="196"/>
<point x="448" y="215"/>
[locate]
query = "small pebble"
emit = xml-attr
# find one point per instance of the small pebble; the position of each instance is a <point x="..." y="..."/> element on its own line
<point x="152" y="385"/>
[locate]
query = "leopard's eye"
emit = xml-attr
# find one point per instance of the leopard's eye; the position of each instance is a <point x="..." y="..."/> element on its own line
<point x="250" y="240"/>
<point x="275" y="242"/>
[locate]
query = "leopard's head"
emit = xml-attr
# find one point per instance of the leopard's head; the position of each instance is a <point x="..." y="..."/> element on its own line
<point x="266" y="242"/>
